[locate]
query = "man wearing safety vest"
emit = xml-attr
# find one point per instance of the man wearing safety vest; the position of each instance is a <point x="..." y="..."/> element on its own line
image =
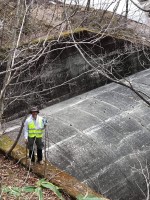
<point x="33" y="133"/>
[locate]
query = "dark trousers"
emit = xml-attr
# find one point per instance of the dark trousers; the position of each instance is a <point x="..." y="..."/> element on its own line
<point x="39" y="144"/>
<point x="39" y="155"/>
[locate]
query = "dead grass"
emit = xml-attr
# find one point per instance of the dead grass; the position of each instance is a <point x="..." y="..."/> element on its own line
<point x="15" y="175"/>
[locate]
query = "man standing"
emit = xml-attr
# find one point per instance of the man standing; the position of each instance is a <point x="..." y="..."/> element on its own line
<point x="33" y="133"/>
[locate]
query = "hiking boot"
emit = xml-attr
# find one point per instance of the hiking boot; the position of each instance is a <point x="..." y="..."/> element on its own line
<point x="30" y="162"/>
<point x="41" y="162"/>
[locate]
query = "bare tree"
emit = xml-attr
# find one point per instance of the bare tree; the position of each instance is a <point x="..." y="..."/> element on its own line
<point x="19" y="65"/>
<point x="14" y="65"/>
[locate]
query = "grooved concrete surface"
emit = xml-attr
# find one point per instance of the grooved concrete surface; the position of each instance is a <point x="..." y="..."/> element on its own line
<point x="102" y="138"/>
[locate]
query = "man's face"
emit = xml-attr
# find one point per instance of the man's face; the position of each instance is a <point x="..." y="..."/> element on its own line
<point x="34" y="114"/>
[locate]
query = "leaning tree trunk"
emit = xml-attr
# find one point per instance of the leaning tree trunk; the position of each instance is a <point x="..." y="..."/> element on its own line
<point x="18" y="137"/>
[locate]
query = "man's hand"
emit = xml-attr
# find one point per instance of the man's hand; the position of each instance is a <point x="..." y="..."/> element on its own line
<point x="26" y="141"/>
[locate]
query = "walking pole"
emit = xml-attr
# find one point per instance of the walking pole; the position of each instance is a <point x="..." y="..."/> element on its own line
<point x="26" y="154"/>
<point x="45" y="152"/>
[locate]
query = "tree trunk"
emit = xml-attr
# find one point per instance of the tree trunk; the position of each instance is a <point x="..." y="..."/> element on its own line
<point x="88" y="5"/>
<point x="18" y="136"/>
<point x="27" y="7"/>
<point x="126" y="14"/>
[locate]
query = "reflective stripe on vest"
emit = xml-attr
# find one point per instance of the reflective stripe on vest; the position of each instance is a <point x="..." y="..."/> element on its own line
<point x="33" y="132"/>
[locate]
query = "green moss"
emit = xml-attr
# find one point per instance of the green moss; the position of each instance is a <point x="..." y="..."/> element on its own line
<point x="50" y="38"/>
<point x="5" y="143"/>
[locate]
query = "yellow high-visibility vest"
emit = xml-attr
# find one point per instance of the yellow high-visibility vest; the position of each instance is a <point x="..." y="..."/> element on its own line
<point x="33" y="132"/>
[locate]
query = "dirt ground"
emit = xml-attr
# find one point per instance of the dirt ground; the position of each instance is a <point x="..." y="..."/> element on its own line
<point x="13" y="174"/>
